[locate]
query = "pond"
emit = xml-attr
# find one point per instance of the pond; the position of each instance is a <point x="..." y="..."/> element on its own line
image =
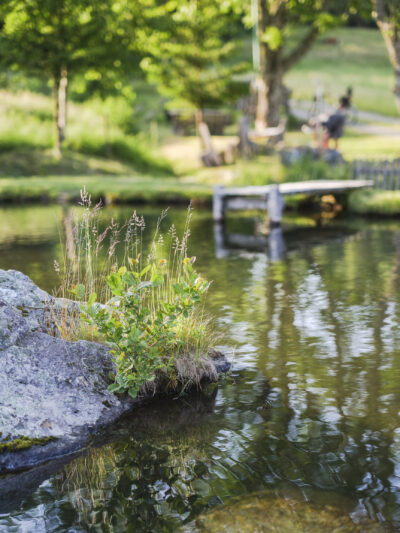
<point x="306" y="428"/>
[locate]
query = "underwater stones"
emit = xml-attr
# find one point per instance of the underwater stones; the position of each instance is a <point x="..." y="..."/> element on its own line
<point x="53" y="392"/>
<point x="265" y="512"/>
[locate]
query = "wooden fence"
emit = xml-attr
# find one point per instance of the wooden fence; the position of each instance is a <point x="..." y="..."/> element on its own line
<point x="384" y="173"/>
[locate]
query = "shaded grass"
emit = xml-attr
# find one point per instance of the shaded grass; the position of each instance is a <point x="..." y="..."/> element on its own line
<point x="36" y="162"/>
<point x="26" y="124"/>
<point x="373" y="202"/>
<point x="116" y="189"/>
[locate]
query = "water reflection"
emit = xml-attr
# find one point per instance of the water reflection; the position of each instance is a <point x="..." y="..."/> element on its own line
<point x="278" y="240"/>
<point x="312" y="406"/>
<point x="224" y="242"/>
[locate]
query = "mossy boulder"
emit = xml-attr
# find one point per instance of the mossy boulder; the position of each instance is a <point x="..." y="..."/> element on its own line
<point x="53" y="393"/>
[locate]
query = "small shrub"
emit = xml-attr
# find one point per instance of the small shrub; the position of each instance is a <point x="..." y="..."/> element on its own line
<point x="142" y="302"/>
<point x="143" y="336"/>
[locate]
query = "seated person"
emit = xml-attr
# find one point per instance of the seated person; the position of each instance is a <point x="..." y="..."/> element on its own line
<point x="334" y="125"/>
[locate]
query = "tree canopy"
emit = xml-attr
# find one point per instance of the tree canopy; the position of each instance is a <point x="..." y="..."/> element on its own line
<point x="55" y="39"/>
<point x="190" y="54"/>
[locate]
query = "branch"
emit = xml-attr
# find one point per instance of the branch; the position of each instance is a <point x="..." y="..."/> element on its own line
<point x="303" y="47"/>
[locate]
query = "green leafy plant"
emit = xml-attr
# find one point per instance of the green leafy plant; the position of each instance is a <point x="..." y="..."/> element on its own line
<point x="143" y="336"/>
<point x="138" y="295"/>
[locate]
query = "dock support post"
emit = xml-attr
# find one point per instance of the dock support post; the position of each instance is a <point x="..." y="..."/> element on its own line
<point x="218" y="204"/>
<point x="275" y="206"/>
<point x="276" y="244"/>
<point x="219" y="239"/>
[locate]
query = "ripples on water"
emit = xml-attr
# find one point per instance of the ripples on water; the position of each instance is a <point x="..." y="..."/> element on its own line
<point x="311" y="410"/>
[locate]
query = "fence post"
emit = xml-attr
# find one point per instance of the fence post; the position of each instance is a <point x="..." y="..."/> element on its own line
<point x="385" y="174"/>
<point x="391" y="175"/>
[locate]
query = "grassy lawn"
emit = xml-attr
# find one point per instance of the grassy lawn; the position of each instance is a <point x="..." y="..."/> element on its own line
<point x="359" y="59"/>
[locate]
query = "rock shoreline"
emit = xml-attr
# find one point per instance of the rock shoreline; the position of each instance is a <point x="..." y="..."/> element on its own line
<point x="50" y="388"/>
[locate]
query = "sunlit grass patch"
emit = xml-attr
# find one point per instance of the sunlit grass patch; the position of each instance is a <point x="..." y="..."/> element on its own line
<point x="375" y="202"/>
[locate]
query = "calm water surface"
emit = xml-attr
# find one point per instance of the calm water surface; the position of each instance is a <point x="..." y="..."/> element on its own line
<point x="311" y="410"/>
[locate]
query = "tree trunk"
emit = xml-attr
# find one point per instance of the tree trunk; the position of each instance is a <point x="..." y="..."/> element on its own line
<point x="391" y="36"/>
<point x="275" y="61"/>
<point x="270" y="94"/>
<point x="261" y="109"/>
<point x="269" y="83"/>
<point x="274" y="84"/>
<point x="60" y="83"/>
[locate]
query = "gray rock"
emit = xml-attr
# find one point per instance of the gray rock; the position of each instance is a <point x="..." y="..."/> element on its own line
<point x="40" y="310"/>
<point x="50" y="387"/>
<point x="289" y="156"/>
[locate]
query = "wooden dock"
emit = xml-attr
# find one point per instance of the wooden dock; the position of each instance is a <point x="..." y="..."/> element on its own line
<point x="271" y="197"/>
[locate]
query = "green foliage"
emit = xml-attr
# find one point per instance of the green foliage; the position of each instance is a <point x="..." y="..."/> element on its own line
<point x="55" y="40"/>
<point x="80" y="35"/>
<point x="359" y="59"/>
<point x="142" y="334"/>
<point x="191" y="53"/>
<point x="147" y="309"/>
<point x="309" y="169"/>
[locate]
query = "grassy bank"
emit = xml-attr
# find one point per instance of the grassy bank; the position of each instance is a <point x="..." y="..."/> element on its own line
<point x="112" y="189"/>
<point x="373" y="202"/>
<point x="117" y="182"/>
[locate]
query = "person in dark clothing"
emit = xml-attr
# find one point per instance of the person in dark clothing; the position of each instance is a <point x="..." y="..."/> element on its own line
<point x="334" y="125"/>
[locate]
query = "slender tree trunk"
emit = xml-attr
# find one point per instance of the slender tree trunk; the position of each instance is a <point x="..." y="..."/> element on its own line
<point x="261" y="109"/>
<point x="60" y="83"/>
<point x="274" y="84"/>
<point x="269" y="94"/>
<point x="270" y="88"/>
<point x="391" y="36"/>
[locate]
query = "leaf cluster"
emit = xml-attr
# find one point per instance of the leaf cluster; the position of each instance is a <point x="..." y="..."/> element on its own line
<point x="141" y="334"/>
<point x="190" y="54"/>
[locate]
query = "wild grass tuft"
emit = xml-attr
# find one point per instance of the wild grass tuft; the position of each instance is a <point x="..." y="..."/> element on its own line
<point x="143" y="298"/>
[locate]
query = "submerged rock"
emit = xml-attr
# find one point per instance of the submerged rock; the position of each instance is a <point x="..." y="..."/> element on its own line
<point x="53" y="392"/>
<point x="264" y="512"/>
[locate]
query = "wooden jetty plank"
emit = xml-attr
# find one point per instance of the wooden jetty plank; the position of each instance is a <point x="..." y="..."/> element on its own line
<point x="298" y="187"/>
